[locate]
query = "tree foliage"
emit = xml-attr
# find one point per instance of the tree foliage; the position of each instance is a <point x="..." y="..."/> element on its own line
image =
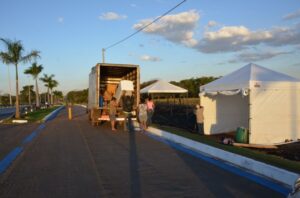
<point x="80" y="97"/>
<point x="34" y="71"/>
<point x="145" y="84"/>
<point x="15" y="55"/>
<point x="191" y="84"/>
<point x="24" y="94"/>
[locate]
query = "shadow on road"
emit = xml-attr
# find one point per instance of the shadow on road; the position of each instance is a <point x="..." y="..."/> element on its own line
<point x="135" y="186"/>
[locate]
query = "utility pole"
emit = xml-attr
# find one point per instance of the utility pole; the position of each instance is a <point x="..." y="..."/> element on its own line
<point x="103" y="55"/>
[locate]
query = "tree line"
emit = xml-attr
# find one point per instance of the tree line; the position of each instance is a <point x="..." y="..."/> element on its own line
<point x="192" y="85"/>
<point x="14" y="55"/>
<point x="79" y="97"/>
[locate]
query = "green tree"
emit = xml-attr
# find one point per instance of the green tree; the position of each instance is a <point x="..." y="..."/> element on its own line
<point x="14" y="55"/>
<point x="52" y="84"/>
<point x="34" y="71"/>
<point x="80" y="97"/>
<point x="58" y="96"/>
<point x="145" y="84"/>
<point x="193" y="84"/>
<point x="26" y="94"/>
<point x="47" y="79"/>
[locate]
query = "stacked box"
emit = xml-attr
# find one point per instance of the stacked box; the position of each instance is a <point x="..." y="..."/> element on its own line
<point x="124" y="85"/>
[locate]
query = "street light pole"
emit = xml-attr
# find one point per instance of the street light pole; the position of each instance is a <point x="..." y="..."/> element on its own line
<point x="103" y="55"/>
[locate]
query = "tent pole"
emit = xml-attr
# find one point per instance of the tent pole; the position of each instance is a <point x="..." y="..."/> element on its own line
<point x="250" y="115"/>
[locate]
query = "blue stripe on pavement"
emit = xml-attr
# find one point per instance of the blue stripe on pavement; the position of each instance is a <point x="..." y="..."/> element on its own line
<point x="9" y="158"/>
<point x="30" y="137"/>
<point x="258" y="179"/>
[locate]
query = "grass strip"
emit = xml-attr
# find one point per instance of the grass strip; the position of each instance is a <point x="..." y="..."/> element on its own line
<point x="253" y="154"/>
<point x="38" y="115"/>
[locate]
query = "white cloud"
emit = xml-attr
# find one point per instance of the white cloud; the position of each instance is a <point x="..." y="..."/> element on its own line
<point x="295" y="65"/>
<point x="178" y="28"/>
<point x="212" y="24"/>
<point x="231" y="38"/>
<point x="292" y="15"/>
<point x="285" y="36"/>
<point x="234" y="38"/>
<point x="150" y="58"/>
<point x="60" y="19"/>
<point x="111" y="16"/>
<point x="256" y="56"/>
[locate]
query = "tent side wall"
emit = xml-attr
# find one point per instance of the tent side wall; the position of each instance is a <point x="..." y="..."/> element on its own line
<point x="275" y="113"/>
<point x="224" y="113"/>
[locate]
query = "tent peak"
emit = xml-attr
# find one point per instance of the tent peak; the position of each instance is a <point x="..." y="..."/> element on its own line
<point x="241" y="78"/>
<point x="260" y="73"/>
<point x="162" y="86"/>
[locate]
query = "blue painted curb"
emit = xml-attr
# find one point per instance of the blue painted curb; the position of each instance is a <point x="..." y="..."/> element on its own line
<point x="53" y="114"/>
<point x="233" y="169"/>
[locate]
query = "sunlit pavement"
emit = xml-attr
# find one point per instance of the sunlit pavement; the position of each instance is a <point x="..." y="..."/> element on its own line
<point x="75" y="159"/>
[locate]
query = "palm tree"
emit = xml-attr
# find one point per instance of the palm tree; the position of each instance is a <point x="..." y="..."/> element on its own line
<point x="26" y="93"/>
<point x="47" y="79"/>
<point x="34" y="71"/>
<point x="14" y="55"/>
<point x="53" y="83"/>
<point x="9" y="85"/>
<point x="57" y="95"/>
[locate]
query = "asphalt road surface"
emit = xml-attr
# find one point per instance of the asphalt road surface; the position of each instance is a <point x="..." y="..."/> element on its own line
<point x="75" y="159"/>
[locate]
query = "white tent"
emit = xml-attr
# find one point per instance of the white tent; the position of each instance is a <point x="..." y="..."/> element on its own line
<point x="264" y="101"/>
<point x="161" y="86"/>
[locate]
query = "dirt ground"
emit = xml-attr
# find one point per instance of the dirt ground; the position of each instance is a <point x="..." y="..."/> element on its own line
<point x="182" y="116"/>
<point x="289" y="151"/>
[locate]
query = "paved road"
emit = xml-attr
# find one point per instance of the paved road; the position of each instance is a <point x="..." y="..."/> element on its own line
<point x="75" y="159"/>
<point x="11" y="136"/>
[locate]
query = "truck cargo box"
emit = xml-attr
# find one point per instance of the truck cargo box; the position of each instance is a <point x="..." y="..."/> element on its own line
<point x="104" y="79"/>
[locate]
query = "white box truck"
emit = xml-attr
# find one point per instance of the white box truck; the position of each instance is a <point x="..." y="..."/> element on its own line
<point x="104" y="80"/>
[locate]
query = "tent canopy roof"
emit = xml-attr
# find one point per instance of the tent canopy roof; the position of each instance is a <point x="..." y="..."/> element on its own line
<point x="241" y="78"/>
<point x="161" y="86"/>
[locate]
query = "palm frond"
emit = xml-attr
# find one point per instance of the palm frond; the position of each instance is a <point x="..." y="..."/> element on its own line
<point x="32" y="55"/>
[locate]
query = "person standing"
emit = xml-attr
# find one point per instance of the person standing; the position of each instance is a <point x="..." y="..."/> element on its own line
<point x="127" y="105"/>
<point x="101" y="100"/>
<point x="142" y="113"/>
<point x="199" y="118"/>
<point x="112" y="113"/>
<point x="150" y="110"/>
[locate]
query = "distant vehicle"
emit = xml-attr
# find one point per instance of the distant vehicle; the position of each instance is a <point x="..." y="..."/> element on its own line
<point x="104" y="80"/>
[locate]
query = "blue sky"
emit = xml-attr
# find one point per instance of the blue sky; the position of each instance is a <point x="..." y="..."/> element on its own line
<point x="199" y="38"/>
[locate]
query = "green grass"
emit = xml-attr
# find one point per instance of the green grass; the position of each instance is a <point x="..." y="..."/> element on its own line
<point x="38" y="115"/>
<point x="253" y="154"/>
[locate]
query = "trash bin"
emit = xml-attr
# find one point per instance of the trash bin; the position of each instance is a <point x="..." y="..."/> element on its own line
<point x="241" y="135"/>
